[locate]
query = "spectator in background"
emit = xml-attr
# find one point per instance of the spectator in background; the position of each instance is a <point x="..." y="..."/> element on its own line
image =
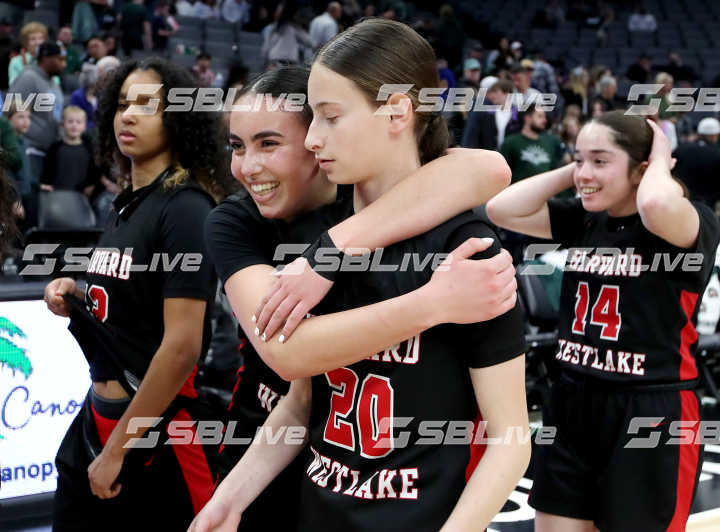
<point x="568" y="132"/>
<point x="105" y="15"/>
<point x="698" y="163"/>
<point x="667" y="82"/>
<point x="487" y="129"/>
<point x="642" y="20"/>
<point x="532" y="151"/>
<point x="6" y="49"/>
<point x="85" y="97"/>
<point x="65" y="38"/>
<point x="110" y="42"/>
<point x="324" y="27"/>
<point x="516" y="53"/>
<point x="32" y="35"/>
<point x="11" y="157"/>
<point x="284" y="37"/>
<point x="36" y="79"/>
<point x="96" y="50"/>
<point x="161" y="27"/>
<point x="683" y="75"/>
<point x="528" y="153"/>
<point x="184" y="8"/>
<point x="607" y="93"/>
<point x="597" y="107"/>
<point x="575" y="91"/>
<point x="639" y="72"/>
<point x="69" y="164"/>
<point x="205" y="76"/>
<point x="498" y="58"/>
<point x="205" y="9"/>
<point x="135" y="26"/>
<point x="543" y="75"/>
<point x="25" y="180"/>
<point x="521" y="75"/>
<point x="450" y="37"/>
<point x="84" y="21"/>
<point x="236" y="12"/>
<point x="351" y="13"/>
<point x="472" y="72"/>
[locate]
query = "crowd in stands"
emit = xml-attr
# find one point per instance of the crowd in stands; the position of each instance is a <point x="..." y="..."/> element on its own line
<point x="585" y="53"/>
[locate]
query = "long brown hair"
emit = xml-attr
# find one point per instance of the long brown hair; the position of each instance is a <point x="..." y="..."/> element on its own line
<point x="379" y="51"/>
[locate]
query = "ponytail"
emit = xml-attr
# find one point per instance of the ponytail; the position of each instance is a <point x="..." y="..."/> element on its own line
<point x="434" y="139"/>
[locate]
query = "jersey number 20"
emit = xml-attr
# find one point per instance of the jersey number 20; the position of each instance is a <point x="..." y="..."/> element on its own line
<point x="604" y="312"/>
<point x="374" y="413"/>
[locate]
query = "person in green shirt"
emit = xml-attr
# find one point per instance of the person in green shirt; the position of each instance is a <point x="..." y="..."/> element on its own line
<point x="32" y="35"/>
<point x="135" y="24"/>
<point x="532" y="151"/>
<point x="65" y="37"/>
<point x="528" y="153"/>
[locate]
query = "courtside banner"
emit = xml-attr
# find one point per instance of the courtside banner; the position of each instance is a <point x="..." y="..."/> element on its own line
<point x="43" y="381"/>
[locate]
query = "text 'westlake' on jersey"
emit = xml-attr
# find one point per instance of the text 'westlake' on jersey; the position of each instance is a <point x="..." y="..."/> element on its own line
<point x="627" y="304"/>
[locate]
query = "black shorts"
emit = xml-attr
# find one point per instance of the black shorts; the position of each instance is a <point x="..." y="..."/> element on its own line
<point x="161" y="488"/>
<point x="589" y="473"/>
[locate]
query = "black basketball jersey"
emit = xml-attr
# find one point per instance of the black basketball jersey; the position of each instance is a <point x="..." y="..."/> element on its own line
<point x="629" y="299"/>
<point x="390" y="436"/>
<point x="152" y="248"/>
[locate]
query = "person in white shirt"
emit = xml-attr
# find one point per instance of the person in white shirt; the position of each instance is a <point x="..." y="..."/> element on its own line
<point x="642" y="21"/>
<point x="206" y="9"/>
<point x="236" y="11"/>
<point x="324" y="27"/>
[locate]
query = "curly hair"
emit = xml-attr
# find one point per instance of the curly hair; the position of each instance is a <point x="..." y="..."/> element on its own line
<point x="194" y="137"/>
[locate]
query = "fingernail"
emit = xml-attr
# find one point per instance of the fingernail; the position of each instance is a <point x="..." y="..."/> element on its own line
<point x="263" y="337"/>
<point x="307" y="316"/>
<point x="488" y="240"/>
<point x="253" y="319"/>
<point x="282" y="338"/>
<point x="257" y="331"/>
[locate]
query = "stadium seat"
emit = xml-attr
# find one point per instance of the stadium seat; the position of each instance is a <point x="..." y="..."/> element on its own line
<point x="65" y="209"/>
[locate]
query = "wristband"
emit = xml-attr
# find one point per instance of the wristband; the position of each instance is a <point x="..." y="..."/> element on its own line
<point x="328" y="269"/>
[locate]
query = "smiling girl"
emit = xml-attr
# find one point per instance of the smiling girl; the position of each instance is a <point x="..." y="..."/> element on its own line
<point x="627" y="333"/>
<point x="354" y="478"/>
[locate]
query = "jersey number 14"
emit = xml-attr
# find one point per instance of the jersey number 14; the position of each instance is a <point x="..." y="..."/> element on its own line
<point x="604" y="312"/>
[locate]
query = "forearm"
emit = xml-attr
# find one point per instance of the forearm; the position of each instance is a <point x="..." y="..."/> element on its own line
<point x="167" y="373"/>
<point x="262" y="462"/>
<point x="350" y="336"/>
<point x="657" y="188"/>
<point x="527" y="196"/>
<point x="437" y="191"/>
<point x="491" y="483"/>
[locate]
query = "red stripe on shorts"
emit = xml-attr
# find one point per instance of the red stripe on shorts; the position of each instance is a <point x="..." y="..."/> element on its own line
<point x="195" y="468"/>
<point x="688" y="336"/>
<point x="687" y="467"/>
<point x="104" y="425"/>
